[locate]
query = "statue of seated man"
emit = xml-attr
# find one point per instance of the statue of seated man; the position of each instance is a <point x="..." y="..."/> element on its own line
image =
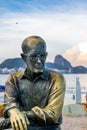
<point x="34" y="98"/>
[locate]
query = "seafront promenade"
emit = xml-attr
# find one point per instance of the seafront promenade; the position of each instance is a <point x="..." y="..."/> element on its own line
<point x="74" y="123"/>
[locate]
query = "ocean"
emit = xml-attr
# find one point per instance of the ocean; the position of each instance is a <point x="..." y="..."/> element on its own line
<point x="70" y="85"/>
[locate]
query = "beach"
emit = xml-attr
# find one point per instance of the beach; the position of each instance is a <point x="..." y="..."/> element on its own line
<point x="74" y="123"/>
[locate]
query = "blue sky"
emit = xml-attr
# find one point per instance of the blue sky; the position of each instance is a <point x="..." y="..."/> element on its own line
<point x="61" y="23"/>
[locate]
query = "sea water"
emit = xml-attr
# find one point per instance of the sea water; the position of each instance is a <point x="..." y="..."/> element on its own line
<point x="70" y="85"/>
<point x="3" y="78"/>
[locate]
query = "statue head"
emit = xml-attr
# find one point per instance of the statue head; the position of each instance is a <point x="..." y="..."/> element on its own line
<point x="34" y="53"/>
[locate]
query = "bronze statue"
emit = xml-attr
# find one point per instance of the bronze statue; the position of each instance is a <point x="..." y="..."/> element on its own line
<point x="34" y="98"/>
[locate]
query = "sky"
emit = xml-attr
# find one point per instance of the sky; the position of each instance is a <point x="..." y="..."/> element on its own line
<point x="61" y="23"/>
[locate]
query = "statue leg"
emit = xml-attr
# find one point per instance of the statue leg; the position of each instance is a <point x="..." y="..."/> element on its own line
<point x="56" y="127"/>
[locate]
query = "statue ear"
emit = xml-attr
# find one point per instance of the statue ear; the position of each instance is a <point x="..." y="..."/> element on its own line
<point x="23" y="57"/>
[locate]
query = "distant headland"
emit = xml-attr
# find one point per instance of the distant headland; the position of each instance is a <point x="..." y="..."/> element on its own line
<point x="60" y="64"/>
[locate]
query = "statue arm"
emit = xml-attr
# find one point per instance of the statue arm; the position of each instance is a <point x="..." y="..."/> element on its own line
<point x="17" y="119"/>
<point x="10" y="96"/>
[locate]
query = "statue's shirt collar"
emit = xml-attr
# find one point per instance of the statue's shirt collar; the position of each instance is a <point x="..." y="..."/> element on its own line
<point x="28" y="75"/>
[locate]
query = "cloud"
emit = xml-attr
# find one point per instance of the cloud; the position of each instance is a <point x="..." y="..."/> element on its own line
<point x="82" y="59"/>
<point x="76" y="55"/>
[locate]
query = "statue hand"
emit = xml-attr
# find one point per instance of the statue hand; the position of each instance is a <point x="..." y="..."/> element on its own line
<point x="4" y="124"/>
<point x="19" y="121"/>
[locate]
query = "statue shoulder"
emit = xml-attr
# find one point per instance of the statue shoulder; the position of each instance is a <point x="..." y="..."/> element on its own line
<point x="55" y="74"/>
<point x="16" y="75"/>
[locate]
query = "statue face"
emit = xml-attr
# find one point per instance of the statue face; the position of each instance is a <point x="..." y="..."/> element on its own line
<point x="35" y="58"/>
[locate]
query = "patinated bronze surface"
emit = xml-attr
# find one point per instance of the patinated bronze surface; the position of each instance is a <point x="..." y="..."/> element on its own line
<point x="34" y="98"/>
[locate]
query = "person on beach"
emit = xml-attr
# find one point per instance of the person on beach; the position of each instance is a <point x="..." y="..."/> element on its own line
<point x="34" y="98"/>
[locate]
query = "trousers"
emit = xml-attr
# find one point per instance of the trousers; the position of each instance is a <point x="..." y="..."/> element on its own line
<point x="56" y="127"/>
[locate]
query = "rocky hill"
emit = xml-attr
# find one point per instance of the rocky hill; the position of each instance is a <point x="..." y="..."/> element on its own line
<point x="60" y="64"/>
<point x="12" y="63"/>
<point x="79" y="69"/>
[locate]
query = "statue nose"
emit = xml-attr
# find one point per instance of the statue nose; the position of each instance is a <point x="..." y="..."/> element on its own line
<point x="38" y="60"/>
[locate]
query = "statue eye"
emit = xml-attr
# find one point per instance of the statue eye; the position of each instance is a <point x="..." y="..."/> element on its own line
<point x="43" y="56"/>
<point x="33" y="57"/>
<point x="36" y="56"/>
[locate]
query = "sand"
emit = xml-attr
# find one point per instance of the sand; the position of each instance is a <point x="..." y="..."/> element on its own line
<point x="74" y="123"/>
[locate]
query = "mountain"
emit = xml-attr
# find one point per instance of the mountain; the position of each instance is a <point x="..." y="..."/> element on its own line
<point x="79" y="69"/>
<point x="12" y="63"/>
<point x="50" y="65"/>
<point x="60" y="64"/>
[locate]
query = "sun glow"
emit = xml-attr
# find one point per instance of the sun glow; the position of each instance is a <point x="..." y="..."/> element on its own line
<point x="83" y="47"/>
